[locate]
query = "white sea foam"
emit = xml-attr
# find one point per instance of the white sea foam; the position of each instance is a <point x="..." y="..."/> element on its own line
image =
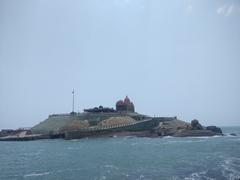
<point x="103" y="178"/>
<point x="198" y="139"/>
<point x="230" y="135"/>
<point x="111" y="166"/>
<point x="205" y="137"/>
<point x="100" y="178"/>
<point x="140" y="177"/>
<point x="198" y="176"/>
<point x="230" y="168"/>
<point x="73" y="148"/>
<point x="167" y="137"/>
<point x="194" y="137"/>
<point x="183" y="141"/>
<point x="37" y="174"/>
<point x="125" y="174"/>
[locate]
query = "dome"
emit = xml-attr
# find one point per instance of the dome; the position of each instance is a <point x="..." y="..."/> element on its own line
<point x="125" y="105"/>
<point x="127" y="100"/>
<point x="119" y="103"/>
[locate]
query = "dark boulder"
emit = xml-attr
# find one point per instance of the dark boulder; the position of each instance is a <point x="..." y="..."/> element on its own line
<point x="195" y="125"/>
<point x="214" y="129"/>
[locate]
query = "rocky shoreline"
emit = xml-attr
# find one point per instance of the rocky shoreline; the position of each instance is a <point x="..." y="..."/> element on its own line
<point x="175" y="128"/>
<point x="178" y="128"/>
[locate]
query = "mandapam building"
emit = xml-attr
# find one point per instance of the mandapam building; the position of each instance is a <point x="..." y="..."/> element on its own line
<point x="125" y="105"/>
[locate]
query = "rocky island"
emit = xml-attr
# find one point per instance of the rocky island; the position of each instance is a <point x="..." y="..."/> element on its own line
<point x="108" y="122"/>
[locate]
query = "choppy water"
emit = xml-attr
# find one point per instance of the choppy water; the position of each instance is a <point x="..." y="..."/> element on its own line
<point x="125" y="158"/>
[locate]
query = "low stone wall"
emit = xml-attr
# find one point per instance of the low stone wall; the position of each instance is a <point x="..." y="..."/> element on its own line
<point x="94" y="131"/>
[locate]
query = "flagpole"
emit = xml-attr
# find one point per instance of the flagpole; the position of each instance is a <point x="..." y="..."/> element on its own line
<point x="73" y="101"/>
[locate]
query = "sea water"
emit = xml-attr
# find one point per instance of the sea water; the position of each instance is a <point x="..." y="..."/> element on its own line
<point x="123" y="158"/>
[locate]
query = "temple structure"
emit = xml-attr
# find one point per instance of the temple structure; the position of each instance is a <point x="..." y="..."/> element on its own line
<point x="100" y="109"/>
<point x="125" y="105"/>
<point x="121" y="106"/>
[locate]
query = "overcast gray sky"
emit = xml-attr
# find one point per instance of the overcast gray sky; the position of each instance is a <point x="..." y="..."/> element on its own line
<point x="172" y="58"/>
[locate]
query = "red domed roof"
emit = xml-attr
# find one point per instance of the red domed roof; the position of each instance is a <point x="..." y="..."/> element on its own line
<point x="127" y="100"/>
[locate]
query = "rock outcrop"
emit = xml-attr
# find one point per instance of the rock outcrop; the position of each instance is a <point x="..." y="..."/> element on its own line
<point x="116" y="121"/>
<point x="214" y="129"/>
<point x="195" y="125"/>
<point x="169" y="128"/>
<point x="180" y="128"/>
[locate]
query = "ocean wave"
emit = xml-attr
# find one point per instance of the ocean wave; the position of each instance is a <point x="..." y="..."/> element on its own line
<point x="129" y="137"/>
<point x="202" y="175"/>
<point x="102" y="178"/>
<point x="73" y="148"/>
<point x="228" y="169"/>
<point x="35" y="153"/>
<point x="134" y="144"/>
<point x="111" y="166"/>
<point x="231" y="168"/>
<point x="205" y="137"/>
<point x="198" y="176"/>
<point x="193" y="137"/>
<point x="231" y="135"/>
<point x="183" y="141"/>
<point x="37" y="174"/>
<point x="66" y="170"/>
<point x="165" y="137"/>
<point x="125" y="174"/>
<point x="140" y="177"/>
